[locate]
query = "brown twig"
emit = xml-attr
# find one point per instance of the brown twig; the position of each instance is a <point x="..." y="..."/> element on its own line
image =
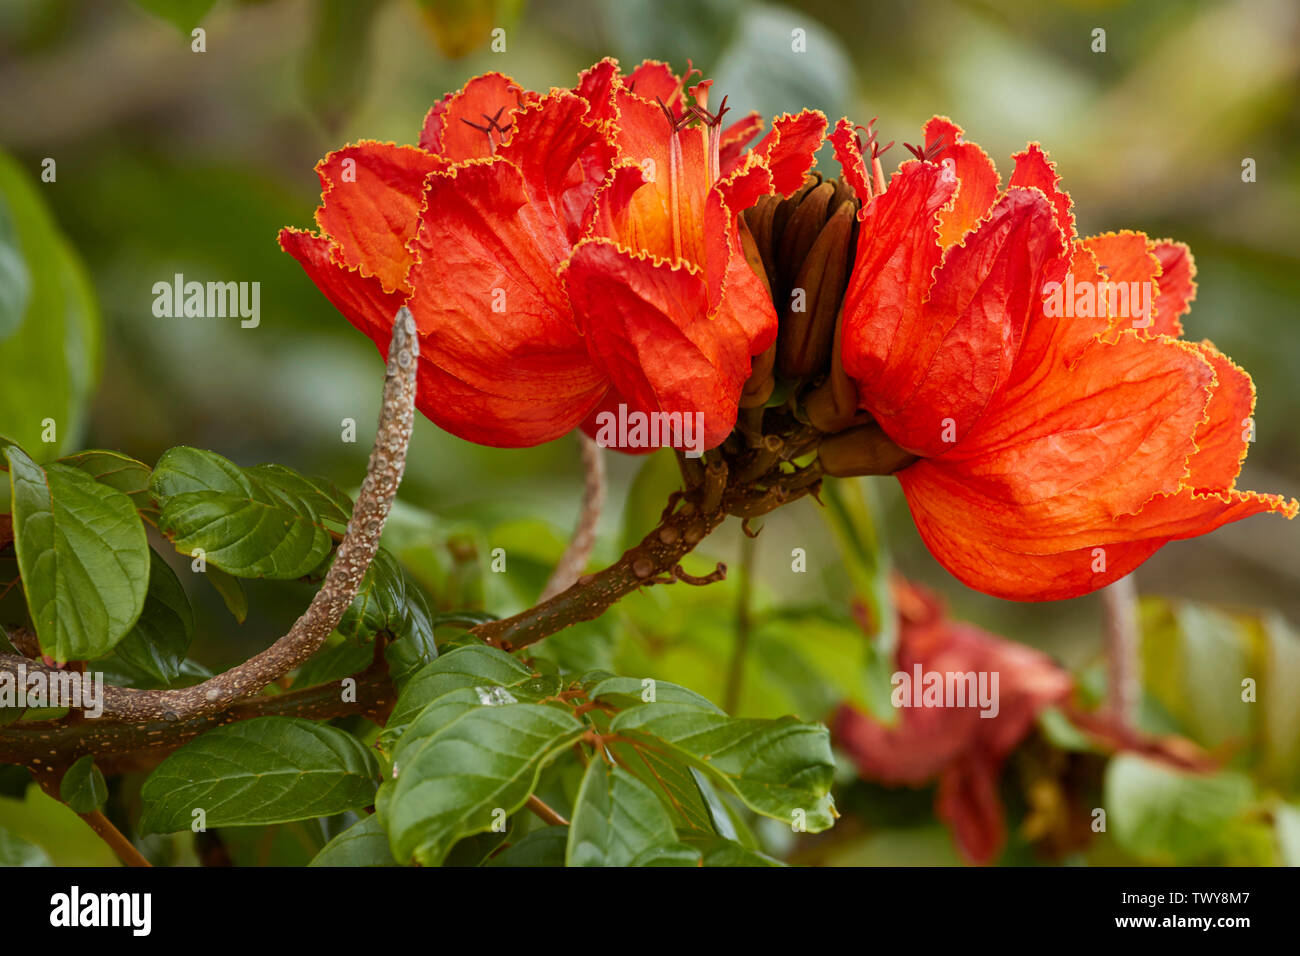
<point x="544" y="812"/>
<point x="1124" y="685"/>
<point x="124" y="848"/>
<point x="353" y="557"/>
<point x="574" y="560"/>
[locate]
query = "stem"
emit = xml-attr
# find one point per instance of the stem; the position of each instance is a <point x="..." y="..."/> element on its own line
<point x="575" y="556"/>
<point x="1119" y="604"/>
<point x="744" y="625"/>
<point x="353" y="557"/>
<point x="544" y="812"/>
<point x="124" y="848"/>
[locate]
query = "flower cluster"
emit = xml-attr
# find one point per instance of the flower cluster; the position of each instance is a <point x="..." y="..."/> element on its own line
<point x="613" y="248"/>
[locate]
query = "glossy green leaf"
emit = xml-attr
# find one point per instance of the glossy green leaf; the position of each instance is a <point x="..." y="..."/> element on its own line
<point x="158" y="642"/>
<point x="615" y="818"/>
<point x="83" y="787"/>
<point x="231" y="591"/>
<point x="1165" y="815"/>
<point x="544" y="847"/>
<point x="260" y="771"/>
<point x="83" y="555"/>
<point x="49" y="360"/>
<point x="261" y="522"/>
<point x="780" y="768"/>
<point x="388" y="601"/>
<point x="363" y="844"/>
<point x="473" y="665"/>
<point x="461" y="780"/>
<point x="632" y="691"/>
<point x="15" y="851"/>
<point x="118" y="471"/>
<point x="717" y="851"/>
<point x="666" y="774"/>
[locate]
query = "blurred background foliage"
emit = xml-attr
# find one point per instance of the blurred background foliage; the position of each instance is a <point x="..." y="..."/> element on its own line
<point x="175" y="161"/>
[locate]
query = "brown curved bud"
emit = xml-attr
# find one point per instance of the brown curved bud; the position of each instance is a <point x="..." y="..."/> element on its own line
<point x="758" y="387"/>
<point x="800" y="232"/>
<point x="807" y="328"/>
<point x="864" y="450"/>
<point x="833" y="405"/>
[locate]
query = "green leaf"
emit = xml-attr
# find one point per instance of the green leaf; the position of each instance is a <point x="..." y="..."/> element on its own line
<point x="161" y="637"/>
<point x="615" y="818"/>
<point x="363" y="844"/>
<point x="459" y="781"/>
<point x="544" y="847"/>
<point x="780" y="768"/>
<point x="15" y="279"/>
<point x="49" y="361"/>
<point x="670" y="776"/>
<point x="632" y="692"/>
<point x="182" y="14"/>
<point x="118" y="471"/>
<point x="15" y="851"/>
<point x="231" y="591"/>
<point x="473" y="665"/>
<point x="260" y="771"/>
<point x="388" y="601"/>
<point x="1165" y="815"/>
<point x="83" y="787"/>
<point x="261" y="522"/>
<point x="83" y="555"/>
<point x="333" y="663"/>
<point x="717" y="851"/>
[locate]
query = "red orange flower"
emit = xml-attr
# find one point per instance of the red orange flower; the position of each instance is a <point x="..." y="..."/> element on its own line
<point x="956" y="746"/>
<point x="561" y="252"/>
<point x="1065" y="432"/>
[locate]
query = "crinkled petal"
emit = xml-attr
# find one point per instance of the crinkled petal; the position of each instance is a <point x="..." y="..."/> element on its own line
<point x="447" y="131"/>
<point x="789" y="148"/>
<point x="1035" y="169"/>
<point x="492" y="311"/>
<point x="731" y="147"/>
<point x="1176" y="286"/>
<point x="370" y="206"/>
<point x="647" y="325"/>
<point x="961" y="352"/>
<point x="1128" y="260"/>
<point x="977" y="177"/>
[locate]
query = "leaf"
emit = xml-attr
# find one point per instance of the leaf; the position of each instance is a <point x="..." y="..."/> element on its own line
<point x="260" y="771"/>
<point x="83" y="787"/>
<point x="387" y="601"/>
<point x="668" y="854"/>
<point x="231" y="591"/>
<point x="615" y="818"/>
<point x="673" y="778"/>
<point x="780" y="768"/>
<point x="469" y="666"/>
<point x="182" y="14"/>
<point x="15" y="851"/>
<point x="49" y="362"/>
<point x="83" y="555"/>
<point x="544" y="847"/>
<point x="158" y="642"/>
<point x="1165" y="815"/>
<point x="630" y="692"/>
<point x="261" y="522"/>
<point x="484" y="763"/>
<point x="118" y="471"/>
<point x="363" y="844"/>
<point x="333" y="663"/>
<point x="15" y="279"/>
<point x="717" y="851"/>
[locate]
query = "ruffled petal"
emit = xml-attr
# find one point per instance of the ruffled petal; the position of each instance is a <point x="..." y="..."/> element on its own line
<point x="1176" y="286"/>
<point x="962" y="351"/>
<point x="362" y="299"/>
<point x="647" y="326"/>
<point x="370" y="206"/>
<point x="731" y="147"/>
<point x="853" y="165"/>
<point x="1034" y="169"/>
<point x="492" y="97"/>
<point x="1128" y="260"/>
<point x="492" y="311"/>
<point x="1224" y="437"/>
<point x="789" y="147"/>
<point x="977" y="177"/>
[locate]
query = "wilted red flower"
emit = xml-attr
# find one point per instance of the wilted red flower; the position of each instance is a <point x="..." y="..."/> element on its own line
<point x="561" y="252"/>
<point x="956" y="746"/>
<point x="1065" y="431"/>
